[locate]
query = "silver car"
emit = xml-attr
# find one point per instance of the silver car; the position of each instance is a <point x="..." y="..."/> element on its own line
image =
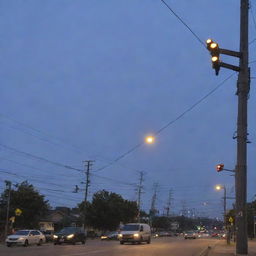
<point x="25" y="238"/>
<point x="190" y="235"/>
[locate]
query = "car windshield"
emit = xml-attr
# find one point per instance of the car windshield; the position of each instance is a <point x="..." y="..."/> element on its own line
<point x="131" y="227"/>
<point x="69" y="230"/>
<point x="22" y="233"/>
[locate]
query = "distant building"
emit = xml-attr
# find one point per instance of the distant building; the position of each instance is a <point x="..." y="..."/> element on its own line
<point x="59" y="218"/>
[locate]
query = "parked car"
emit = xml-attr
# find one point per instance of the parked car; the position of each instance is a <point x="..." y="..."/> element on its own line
<point x="25" y="238"/>
<point x="110" y="236"/>
<point x="48" y="235"/>
<point x="190" y="235"/>
<point x="135" y="233"/>
<point x="70" y="235"/>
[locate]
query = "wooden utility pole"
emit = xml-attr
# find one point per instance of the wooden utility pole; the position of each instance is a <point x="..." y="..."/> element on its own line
<point x="88" y="165"/>
<point x="139" y="190"/>
<point x="243" y="88"/>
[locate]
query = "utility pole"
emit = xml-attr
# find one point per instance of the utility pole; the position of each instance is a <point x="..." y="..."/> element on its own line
<point x="243" y="88"/>
<point x="139" y="190"/>
<point x="169" y="203"/>
<point x="88" y="165"/>
<point x="153" y="202"/>
<point x="8" y="187"/>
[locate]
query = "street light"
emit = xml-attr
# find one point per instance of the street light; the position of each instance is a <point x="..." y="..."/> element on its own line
<point x="150" y="139"/>
<point x="219" y="187"/>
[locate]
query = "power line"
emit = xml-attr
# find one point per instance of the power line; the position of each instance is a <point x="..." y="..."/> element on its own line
<point x="40" y="158"/>
<point x="195" y="104"/>
<point x="169" y="123"/>
<point x="184" y="23"/>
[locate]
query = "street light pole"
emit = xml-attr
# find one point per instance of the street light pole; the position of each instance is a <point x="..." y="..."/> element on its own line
<point x="225" y="206"/>
<point x="8" y="186"/>
<point x="241" y="171"/>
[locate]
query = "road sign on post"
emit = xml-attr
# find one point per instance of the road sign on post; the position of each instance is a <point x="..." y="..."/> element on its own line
<point x="18" y="212"/>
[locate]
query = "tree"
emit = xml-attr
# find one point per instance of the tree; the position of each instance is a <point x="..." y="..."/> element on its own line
<point x="161" y="223"/>
<point x="26" y="198"/>
<point x="107" y="210"/>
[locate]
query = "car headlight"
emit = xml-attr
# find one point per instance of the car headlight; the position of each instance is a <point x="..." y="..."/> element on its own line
<point x="120" y="235"/>
<point x="21" y="238"/>
<point x="55" y="237"/>
<point x="103" y="237"/>
<point x="70" y="236"/>
<point x="136" y="235"/>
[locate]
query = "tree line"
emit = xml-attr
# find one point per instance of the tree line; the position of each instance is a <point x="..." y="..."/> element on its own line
<point x="105" y="212"/>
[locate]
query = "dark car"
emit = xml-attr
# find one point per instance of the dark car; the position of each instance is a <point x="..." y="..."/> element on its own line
<point x="48" y="235"/>
<point x="110" y="236"/>
<point x="70" y="235"/>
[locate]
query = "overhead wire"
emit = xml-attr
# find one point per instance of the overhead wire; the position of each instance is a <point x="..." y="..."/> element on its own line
<point x="169" y="123"/>
<point x="184" y="23"/>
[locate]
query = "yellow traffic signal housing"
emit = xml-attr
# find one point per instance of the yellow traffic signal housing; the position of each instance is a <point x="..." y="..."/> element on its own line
<point x="215" y="52"/>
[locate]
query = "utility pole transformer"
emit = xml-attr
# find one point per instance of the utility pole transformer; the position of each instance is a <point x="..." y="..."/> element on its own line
<point x="243" y="88"/>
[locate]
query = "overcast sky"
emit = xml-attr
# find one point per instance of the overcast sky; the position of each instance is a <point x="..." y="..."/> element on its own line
<point x="87" y="80"/>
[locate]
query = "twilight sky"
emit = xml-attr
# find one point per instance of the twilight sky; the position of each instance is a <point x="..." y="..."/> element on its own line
<point x="83" y="79"/>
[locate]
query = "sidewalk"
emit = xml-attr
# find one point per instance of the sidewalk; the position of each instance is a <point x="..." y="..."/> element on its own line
<point x="222" y="249"/>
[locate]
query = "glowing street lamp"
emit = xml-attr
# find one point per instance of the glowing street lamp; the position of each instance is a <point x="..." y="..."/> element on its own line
<point x="150" y="139"/>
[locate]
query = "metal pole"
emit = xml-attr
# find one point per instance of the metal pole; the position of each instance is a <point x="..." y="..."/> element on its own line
<point x="241" y="172"/>
<point x="225" y="207"/>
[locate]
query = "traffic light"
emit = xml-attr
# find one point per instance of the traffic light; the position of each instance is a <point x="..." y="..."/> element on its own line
<point x="214" y="50"/>
<point x="219" y="167"/>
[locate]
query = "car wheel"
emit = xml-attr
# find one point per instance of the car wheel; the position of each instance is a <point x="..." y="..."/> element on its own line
<point x="40" y="242"/>
<point x="83" y="241"/>
<point x="149" y="241"/>
<point x="121" y="242"/>
<point x="9" y="244"/>
<point x="25" y="243"/>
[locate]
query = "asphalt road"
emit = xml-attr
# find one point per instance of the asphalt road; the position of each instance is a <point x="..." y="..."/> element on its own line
<point x="168" y="246"/>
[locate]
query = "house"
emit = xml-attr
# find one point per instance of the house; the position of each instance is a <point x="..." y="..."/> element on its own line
<point x="59" y="218"/>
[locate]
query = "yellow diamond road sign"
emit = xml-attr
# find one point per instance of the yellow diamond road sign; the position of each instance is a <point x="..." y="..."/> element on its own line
<point x="231" y="220"/>
<point x="18" y="212"/>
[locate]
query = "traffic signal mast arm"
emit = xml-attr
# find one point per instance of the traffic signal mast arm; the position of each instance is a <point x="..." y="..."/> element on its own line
<point x="220" y="167"/>
<point x="229" y="66"/>
<point x="228" y="170"/>
<point x="215" y="51"/>
<point x="230" y="53"/>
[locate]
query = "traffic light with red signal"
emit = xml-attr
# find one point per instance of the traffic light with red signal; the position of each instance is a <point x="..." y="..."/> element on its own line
<point x="219" y="167"/>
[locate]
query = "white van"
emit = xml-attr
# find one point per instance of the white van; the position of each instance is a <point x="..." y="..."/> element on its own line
<point x="135" y="233"/>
